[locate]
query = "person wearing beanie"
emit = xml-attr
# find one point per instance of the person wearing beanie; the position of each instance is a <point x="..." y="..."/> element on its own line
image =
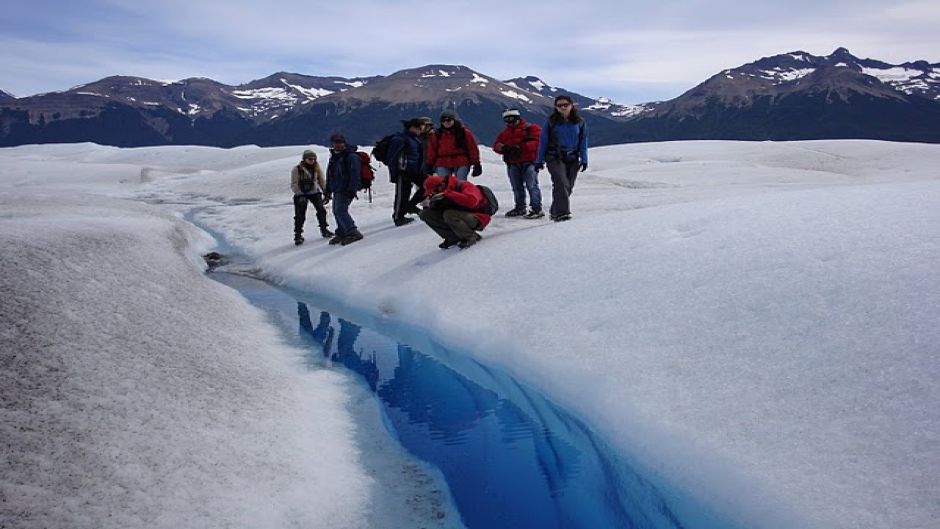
<point x="406" y="157"/>
<point x="342" y="183"/>
<point x="307" y="183"/>
<point x="452" y="149"/>
<point x="563" y="148"/>
<point x="518" y="144"/>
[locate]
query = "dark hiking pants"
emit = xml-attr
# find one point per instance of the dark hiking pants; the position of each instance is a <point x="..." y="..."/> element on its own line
<point x="405" y="202"/>
<point x="300" y="211"/>
<point x="452" y="224"/>
<point x="563" y="177"/>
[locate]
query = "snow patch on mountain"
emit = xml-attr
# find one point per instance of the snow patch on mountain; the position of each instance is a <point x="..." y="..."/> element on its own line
<point x="783" y="75"/>
<point x="515" y="95"/>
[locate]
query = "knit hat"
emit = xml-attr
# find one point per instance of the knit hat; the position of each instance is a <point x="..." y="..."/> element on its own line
<point x="337" y="138"/>
<point x="426" y="120"/>
<point x="511" y="112"/>
<point x="309" y="153"/>
<point x="449" y="114"/>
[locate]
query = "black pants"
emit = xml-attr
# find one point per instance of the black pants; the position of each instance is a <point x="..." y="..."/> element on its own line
<point x="300" y="211"/>
<point x="405" y="201"/>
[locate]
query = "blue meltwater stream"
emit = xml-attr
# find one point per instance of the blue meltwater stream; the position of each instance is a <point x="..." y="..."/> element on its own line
<point x="511" y="458"/>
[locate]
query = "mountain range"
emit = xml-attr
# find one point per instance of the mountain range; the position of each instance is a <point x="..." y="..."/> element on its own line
<point x="790" y="96"/>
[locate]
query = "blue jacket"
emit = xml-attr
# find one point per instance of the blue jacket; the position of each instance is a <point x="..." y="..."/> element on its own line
<point x="414" y="154"/>
<point x="343" y="172"/>
<point x="567" y="135"/>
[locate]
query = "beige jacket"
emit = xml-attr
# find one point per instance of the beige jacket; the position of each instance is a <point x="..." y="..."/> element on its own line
<point x="301" y="179"/>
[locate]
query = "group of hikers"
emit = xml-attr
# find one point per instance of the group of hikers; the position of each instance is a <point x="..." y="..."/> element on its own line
<point x="430" y="169"/>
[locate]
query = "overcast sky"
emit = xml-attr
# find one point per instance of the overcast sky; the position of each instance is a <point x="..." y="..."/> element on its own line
<point x="630" y="51"/>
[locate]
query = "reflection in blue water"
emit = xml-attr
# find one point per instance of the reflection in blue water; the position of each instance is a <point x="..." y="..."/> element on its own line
<point x="511" y="458"/>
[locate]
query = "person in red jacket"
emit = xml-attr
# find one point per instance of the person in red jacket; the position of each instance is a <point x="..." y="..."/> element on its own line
<point x="453" y="211"/>
<point x="452" y="149"/>
<point x="519" y="145"/>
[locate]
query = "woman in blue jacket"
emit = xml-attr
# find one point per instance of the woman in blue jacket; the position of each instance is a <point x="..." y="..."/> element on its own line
<point x="563" y="147"/>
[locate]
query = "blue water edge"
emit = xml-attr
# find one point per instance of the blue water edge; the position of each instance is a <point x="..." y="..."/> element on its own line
<point x="511" y="458"/>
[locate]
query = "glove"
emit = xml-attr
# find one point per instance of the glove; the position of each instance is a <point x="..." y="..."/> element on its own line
<point x="583" y="167"/>
<point x="477" y="170"/>
<point x="512" y="150"/>
<point x="539" y="166"/>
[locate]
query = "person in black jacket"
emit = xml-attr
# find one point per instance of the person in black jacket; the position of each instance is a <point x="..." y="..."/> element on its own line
<point x="406" y="158"/>
<point x="342" y="183"/>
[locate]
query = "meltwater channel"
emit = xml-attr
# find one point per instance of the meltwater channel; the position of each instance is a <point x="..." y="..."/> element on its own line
<point x="512" y="459"/>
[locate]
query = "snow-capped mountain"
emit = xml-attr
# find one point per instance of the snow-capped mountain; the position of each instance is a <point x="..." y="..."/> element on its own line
<point x="371" y="111"/>
<point x="4" y="97"/>
<point x="797" y="95"/>
<point x="601" y="105"/>
<point x="281" y="92"/>
<point x="793" y="95"/>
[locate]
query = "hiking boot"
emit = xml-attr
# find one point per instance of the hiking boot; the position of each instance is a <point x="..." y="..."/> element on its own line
<point x="561" y="218"/>
<point x="515" y="212"/>
<point x="413" y="209"/>
<point x="298" y="240"/>
<point x="534" y="214"/>
<point x="325" y="232"/>
<point x="404" y="220"/>
<point x="337" y="239"/>
<point x="447" y="244"/>
<point x="463" y="245"/>
<point x="351" y="238"/>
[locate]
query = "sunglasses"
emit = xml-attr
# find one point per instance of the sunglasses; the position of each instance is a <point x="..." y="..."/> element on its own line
<point x="563" y="105"/>
<point x="446" y="119"/>
<point x="511" y="119"/>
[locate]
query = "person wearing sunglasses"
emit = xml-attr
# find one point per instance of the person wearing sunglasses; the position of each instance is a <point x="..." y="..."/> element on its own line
<point x="563" y="148"/>
<point x="452" y="149"/>
<point x="519" y="145"/>
<point x="307" y="183"/>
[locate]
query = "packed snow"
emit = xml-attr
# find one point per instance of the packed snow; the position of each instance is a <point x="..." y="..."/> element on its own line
<point x="755" y="323"/>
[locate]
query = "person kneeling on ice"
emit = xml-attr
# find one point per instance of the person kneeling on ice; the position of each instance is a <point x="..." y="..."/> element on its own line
<point x="454" y="211"/>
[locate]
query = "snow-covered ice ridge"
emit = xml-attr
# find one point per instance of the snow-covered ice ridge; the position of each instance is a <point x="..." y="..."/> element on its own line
<point x="755" y="322"/>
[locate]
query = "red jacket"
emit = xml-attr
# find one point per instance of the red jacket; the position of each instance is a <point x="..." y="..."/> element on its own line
<point x="524" y="135"/>
<point x="464" y="195"/>
<point x="443" y="151"/>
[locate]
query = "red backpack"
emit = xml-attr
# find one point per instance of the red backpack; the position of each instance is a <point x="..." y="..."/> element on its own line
<point x="366" y="172"/>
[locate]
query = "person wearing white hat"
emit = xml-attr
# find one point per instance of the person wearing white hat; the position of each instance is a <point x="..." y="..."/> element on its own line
<point x="518" y="143"/>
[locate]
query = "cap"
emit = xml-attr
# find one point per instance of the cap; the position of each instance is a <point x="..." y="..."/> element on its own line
<point x="308" y="153"/>
<point x="511" y="112"/>
<point x="337" y="138"/>
<point x="449" y="114"/>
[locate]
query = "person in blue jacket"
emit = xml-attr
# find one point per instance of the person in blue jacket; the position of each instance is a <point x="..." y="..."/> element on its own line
<point x="342" y="183"/>
<point x="563" y="148"/>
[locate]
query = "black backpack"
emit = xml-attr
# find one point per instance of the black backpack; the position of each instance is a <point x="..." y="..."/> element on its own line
<point x="492" y="205"/>
<point x="380" y="151"/>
